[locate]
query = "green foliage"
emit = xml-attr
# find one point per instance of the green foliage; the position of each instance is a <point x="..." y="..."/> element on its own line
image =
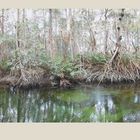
<point x="97" y="58"/>
<point x="127" y="58"/>
<point x="58" y="66"/>
<point x="92" y="57"/>
<point x="31" y="57"/>
<point x="7" y="39"/>
<point x="5" y="65"/>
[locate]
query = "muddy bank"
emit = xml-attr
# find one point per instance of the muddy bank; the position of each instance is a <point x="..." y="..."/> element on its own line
<point x="35" y="78"/>
<point x="86" y="70"/>
<point x="39" y="77"/>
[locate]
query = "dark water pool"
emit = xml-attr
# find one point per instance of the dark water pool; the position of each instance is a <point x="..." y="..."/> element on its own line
<point x="82" y="104"/>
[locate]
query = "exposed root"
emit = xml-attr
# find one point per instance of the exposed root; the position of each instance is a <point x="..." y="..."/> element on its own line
<point x="121" y="72"/>
<point x="115" y="70"/>
<point x="30" y="77"/>
<point x="118" y="68"/>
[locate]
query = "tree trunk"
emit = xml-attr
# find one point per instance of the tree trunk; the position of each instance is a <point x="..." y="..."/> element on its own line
<point x="2" y="46"/>
<point x="17" y="33"/>
<point x="24" y="28"/>
<point x="2" y="21"/>
<point x="106" y="31"/>
<point x="50" y="33"/>
<point x="44" y="36"/>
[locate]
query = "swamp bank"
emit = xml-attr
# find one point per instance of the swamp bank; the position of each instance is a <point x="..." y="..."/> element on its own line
<point x="86" y="69"/>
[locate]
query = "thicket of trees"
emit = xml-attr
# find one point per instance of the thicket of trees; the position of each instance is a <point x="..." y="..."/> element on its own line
<point x="62" y="38"/>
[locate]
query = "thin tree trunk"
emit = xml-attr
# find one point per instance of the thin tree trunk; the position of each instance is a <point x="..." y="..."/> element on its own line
<point x="24" y="28"/>
<point x="17" y="33"/>
<point x="2" y="48"/>
<point x="2" y="23"/>
<point x="106" y="31"/>
<point x="92" y="42"/>
<point x="44" y="36"/>
<point x="50" y="33"/>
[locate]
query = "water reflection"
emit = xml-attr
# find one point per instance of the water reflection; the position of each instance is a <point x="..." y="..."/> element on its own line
<point x="137" y="98"/>
<point x="132" y="117"/>
<point x="79" y="105"/>
<point x="104" y="105"/>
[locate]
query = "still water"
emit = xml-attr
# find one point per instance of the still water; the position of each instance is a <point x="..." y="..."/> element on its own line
<point x="81" y="104"/>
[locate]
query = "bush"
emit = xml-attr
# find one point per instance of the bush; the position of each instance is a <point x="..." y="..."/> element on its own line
<point x="97" y="58"/>
<point x="58" y="66"/>
<point x="5" y="65"/>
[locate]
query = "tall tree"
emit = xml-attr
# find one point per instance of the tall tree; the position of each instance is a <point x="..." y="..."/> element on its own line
<point x="17" y="34"/>
<point x="24" y="27"/>
<point x="106" y="30"/>
<point x="2" y="19"/>
<point x="50" y="33"/>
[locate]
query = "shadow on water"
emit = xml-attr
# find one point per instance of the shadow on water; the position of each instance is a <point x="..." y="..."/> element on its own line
<point x="82" y="104"/>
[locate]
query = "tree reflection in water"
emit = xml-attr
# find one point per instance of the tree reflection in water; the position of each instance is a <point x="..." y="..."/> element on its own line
<point x="79" y="105"/>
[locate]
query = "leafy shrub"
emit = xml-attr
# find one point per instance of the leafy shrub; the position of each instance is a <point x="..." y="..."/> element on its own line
<point x="97" y="58"/>
<point x="5" y="65"/>
<point x="58" y="66"/>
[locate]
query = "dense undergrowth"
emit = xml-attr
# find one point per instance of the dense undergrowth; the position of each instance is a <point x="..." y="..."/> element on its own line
<point x="87" y="68"/>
